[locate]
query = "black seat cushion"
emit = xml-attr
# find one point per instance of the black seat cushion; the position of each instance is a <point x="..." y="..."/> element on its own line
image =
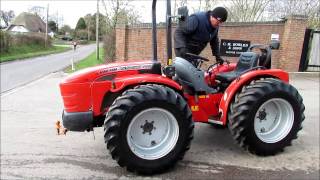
<point x="247" y="60"/>
<point x="227" y="76"/>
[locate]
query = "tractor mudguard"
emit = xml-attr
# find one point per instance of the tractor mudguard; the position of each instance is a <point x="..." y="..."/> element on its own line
<point x="246" y="78"/>
<point x="111" y="87"/>
<point x="123" y="82"/>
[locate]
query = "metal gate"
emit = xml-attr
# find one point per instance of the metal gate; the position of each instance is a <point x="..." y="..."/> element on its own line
<point x="314" y="56"/>
<point x="310" y="57"/>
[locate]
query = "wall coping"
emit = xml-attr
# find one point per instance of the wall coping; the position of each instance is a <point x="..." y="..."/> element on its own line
<point x="227" y="24"/>
<point x="296" y="17"/>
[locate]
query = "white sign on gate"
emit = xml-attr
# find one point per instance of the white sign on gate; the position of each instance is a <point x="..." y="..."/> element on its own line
<point x="275" y="37"/>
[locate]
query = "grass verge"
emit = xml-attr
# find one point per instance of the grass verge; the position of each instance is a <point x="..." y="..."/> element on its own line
<point x="89" y="61"/>
<point x="28" y="51"/>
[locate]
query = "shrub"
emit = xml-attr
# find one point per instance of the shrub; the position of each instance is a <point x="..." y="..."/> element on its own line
<point x="109" y="42"/>
<point x="29" y="39"/>
<point x="5" y="40"/>
<point x="16" y="40"/>
<point x="83" y="42"/>
<point x="81" y="34"/>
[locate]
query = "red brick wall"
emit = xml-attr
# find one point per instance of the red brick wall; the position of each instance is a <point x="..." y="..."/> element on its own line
<point x="293" y="37"/>
<point x="135" y="42"/>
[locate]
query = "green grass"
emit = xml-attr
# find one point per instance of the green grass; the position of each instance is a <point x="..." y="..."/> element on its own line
<point x="89" y="61"/>
<point x="28" y="51"/>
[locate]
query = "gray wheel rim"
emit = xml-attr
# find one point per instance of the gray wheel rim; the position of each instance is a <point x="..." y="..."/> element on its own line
<point x="274" y="120"/>
<point x="152" y="133"/>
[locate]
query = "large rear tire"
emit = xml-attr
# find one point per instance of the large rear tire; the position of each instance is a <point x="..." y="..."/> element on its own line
<point x="266" y="116"/>
<point x="148" y="129"/>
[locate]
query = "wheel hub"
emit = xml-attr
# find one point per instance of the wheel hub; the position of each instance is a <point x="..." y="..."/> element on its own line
<point x="152" y="133"/>
<point x="273" y="120"/>
<point x="147" y="127"/>
<point x="262" y="114"/>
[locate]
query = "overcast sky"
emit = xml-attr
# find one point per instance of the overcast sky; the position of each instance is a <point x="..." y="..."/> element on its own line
<point x="71" y="11"/>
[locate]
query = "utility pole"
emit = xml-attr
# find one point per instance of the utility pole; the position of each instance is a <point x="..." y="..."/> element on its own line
<point x="97" y="29"/>
<point x="88" y="28"/>
<point x="46" y="35"/>
<point x="57" y="20"/>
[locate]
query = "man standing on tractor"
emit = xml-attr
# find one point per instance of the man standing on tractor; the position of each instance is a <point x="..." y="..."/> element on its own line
<point x="200" y="28"/>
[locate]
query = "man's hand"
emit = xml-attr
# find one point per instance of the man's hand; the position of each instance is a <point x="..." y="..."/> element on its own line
<point x="219" y="60"/>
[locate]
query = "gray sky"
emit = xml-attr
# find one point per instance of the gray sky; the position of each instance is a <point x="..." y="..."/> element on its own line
<point x="73" y="10"/>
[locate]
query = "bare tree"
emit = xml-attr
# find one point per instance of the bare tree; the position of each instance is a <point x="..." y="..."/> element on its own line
<point x="39" y="11"/>
<point x="246" y="10"/>
<point x="117" y="12"/>
<point x="56" y="17"/>
<point x="205" y="5"/>
<point x="120" y="12"/>
<point x="177" y="4"/>
<point x="281" y="8"/>
<point x="309" y="8"/>
<point x="183" y="3"/>
<point x="7" y="16"/>
<point x="208" y="5"/>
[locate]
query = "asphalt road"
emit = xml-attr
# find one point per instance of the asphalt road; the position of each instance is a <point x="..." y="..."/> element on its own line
<point x="30" y="148"/>
<point x="17" y="73"/>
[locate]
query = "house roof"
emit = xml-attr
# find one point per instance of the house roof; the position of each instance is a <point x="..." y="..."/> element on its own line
<point x="17" y="28"/>
<point x="30" y="21"/>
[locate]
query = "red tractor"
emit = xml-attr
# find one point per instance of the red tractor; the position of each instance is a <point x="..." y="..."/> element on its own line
<point x="148" y="111"/>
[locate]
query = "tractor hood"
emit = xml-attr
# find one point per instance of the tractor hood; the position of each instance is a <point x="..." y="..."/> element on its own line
<point x="92" y="73"/>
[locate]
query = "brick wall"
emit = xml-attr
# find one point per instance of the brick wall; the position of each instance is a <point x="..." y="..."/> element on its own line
<point x="293" y="37"/>
<point x="135" y="42"/>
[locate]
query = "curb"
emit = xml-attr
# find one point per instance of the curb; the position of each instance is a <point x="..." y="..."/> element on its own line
<point x="305" y="74"/>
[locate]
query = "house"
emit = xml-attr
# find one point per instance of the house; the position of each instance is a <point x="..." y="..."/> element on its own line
<point x="28" y="22"/>
<point x="17" y="28"/>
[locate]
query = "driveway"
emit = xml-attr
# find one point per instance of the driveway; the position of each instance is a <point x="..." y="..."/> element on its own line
<point x="17" y="73"/>
<point x="30" y="148"/>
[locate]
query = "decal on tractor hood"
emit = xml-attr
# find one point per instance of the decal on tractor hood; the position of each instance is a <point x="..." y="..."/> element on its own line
<point x="127" y="67"/>
<point x="225" y="96"/>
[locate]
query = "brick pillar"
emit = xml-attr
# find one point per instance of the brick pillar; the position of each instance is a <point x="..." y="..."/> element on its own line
<point x="121" y="43"/>
<point x="292" y="41"/>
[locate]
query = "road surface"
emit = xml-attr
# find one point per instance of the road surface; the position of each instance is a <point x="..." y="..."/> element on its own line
<point x="17" y="73"/>
<point x="30" y="148"/>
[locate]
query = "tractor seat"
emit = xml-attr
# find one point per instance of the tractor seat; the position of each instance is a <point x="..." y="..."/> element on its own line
<point x="247" y="60"/>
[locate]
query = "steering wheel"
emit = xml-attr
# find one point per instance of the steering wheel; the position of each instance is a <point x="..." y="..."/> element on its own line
<point x="211" y="66"/>
<point x="197" y="57"/>
<point x="216" y="63"/>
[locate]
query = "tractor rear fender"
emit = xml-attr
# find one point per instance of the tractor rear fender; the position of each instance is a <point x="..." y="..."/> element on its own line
<point x="245" y="79"/>
<point x="106" y="90"/>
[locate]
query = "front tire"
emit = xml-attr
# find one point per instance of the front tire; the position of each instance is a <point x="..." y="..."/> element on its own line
<point x="266" y="116"/>
<point x="148" y="129"/>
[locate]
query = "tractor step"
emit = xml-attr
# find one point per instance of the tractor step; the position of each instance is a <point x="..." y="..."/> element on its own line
<point x="214" y="121"/>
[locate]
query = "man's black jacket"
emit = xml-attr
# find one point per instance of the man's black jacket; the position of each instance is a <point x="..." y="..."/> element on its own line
<point x="194" y="34"/>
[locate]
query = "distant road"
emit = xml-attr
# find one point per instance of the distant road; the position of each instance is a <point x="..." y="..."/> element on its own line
<point x="17" y="73"/>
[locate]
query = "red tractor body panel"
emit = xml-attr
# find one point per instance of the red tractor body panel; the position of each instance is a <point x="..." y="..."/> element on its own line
<point x="118" y="84"/>
<point x="237" y="84"/>
<point x="204" y="107"/>
<point x="85" y="90"/>
<point x="76" y="96"/>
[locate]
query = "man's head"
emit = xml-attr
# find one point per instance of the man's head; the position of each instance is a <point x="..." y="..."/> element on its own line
<point x="218" y="16"/>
